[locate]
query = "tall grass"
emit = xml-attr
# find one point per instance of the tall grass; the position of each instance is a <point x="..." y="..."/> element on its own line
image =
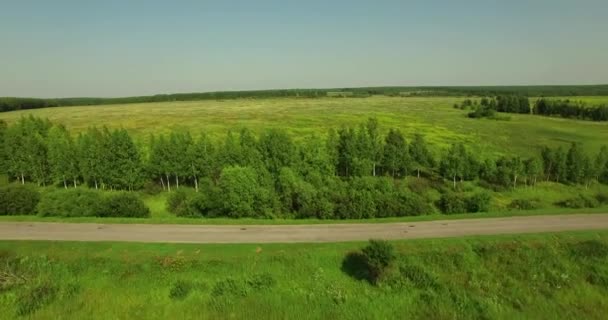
<point x="535" y="276"/>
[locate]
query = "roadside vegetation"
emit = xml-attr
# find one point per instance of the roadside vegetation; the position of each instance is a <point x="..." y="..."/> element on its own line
<point x="533" y="276"/>
<point x="353" y="173"/>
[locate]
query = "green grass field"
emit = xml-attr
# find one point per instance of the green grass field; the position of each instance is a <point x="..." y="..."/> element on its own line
<point x="433" y="116"/>
<point x="544" y="276"/>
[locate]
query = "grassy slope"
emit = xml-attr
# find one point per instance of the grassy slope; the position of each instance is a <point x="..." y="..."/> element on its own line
<point x="533" y="276"/>
<point x="432" y="116"/>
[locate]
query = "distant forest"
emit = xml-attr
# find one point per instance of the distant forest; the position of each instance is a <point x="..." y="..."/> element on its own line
<point x="12" y="103"/>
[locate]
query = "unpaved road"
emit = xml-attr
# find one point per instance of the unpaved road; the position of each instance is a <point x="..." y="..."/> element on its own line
<point x="297" y="233"/>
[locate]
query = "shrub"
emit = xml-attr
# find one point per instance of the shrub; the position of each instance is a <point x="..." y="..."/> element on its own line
<point x="187" y="203"/>
<point x="261" y="281"/>
<point x="525" y="204"/>
<point x="452" y="202"/>
<point x="70" y="203"/>
<point x="152" y="188"/>
<point x="18" y="200"/>
<point x="379" y="255"/>
<point x="123" y="204"/>
<point x="602" y="198"/>
<point x="415" y="205"/>
<point x="479" y="202"/>
<point x="578" y="202"/>
<point x="180" y="290"/>
<point x="35" y="298"/>
<point x="228" y="287"/>
<point x="419" y="277"/>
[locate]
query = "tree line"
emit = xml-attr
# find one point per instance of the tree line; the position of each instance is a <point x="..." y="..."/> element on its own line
<point x="571" y="109"/>
<point x="15" y="103"/>
<point x="352" y="172"/>
<point x="487" y="108"/>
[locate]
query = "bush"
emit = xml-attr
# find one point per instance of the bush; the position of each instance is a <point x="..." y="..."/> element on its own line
<point x="602" y="198"/>
<point x="35" y="298"/>
<point x="187" y="203"/>
<point x="228" y="287"/>
<point x="525" y="204"/>
<point x="452" y="202"/>
<point x="261" y="281"/>
<point x="70" y="203"/>
<point x="379" y="255"/>
<point x="479" y="202"/>
<point x="581" y="201"/>
<point x="180" y="290"/>
<point x="123" y="204"/>
<point x="152" y="188"/>
<point x="18" y="200"/>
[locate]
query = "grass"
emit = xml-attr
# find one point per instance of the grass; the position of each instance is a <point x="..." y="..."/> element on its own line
<point x="544" y="276"/>
<point x="433" y="116"/>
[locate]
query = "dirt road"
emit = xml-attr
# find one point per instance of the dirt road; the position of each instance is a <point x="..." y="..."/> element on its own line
<point x="297" y="233"/>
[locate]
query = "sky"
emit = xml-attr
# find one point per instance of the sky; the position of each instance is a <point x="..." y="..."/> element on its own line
<point x="110" y="48"/>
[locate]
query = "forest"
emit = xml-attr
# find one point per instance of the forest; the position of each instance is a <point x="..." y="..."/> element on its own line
<point x="487" y="108"/>
<point x="353" y="172"/>
<point x="14" y="103"/>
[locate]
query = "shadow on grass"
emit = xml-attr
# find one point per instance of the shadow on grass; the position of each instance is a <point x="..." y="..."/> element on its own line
<point x="355" y="265"/>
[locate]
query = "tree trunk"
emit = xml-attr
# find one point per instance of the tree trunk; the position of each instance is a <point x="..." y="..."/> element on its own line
<point x="75" y="185"/>
<point x="176" y="181"/>
<point x="196" y="183"/>
<point x="515" y="182"/>
<point x="162" y="183"/>
<point x="22" y="179"/>
<point x="418" y="172"/>
<point x="95" y="183"/>
<point x="168" y="183"/>
<point x="374" y="170"/>
<point x="454" y="182"/>
<point x="65" y="185"/>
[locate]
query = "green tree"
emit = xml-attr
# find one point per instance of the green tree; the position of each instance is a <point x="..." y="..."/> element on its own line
<point x="201" y="156"/>
<point x="62" y="156"/>
<point x="277" y="150"/>
<point x="125" y="163"/>
<point x="375" y="143"/>
<point x="453" y="163"/>
<point x="601" y="164"/>
<point x="575" y="164"/>
<point x="91" y="156"/>
<point x="420" y="155"/>
<point x="533" y="168"/>
<point x="396" y="159"/>
<point x="238" y="191"/>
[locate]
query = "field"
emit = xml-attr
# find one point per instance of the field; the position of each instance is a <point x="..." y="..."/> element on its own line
<point x="433" y="116"/>
<point x="533" y="276"/>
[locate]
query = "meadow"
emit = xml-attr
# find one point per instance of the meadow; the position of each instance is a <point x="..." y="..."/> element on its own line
<point x="544" y="276"/>
<point x="434" y="117"/>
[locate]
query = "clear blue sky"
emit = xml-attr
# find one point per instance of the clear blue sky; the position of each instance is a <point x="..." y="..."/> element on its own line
<point x="119" y="48"/>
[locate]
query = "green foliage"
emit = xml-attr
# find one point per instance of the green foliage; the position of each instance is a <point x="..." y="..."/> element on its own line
<point x="123" y="204"/>
<point x="479" y="202"/>
<point x="180" y="290"/>
<point x="496" y="277"/>
<point x="525" y="204"/>
<point x="35" y="298"/>
<point x="452" y="202"/>
<point x="261" y="281"/>
<point x="229" y="287"/>
<point x="187" y="203"/>
<point x="18" y="200"/>
<point x="77" y="202"/>
<point x="379" y="255"/>
<point x="578" y="202"/>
